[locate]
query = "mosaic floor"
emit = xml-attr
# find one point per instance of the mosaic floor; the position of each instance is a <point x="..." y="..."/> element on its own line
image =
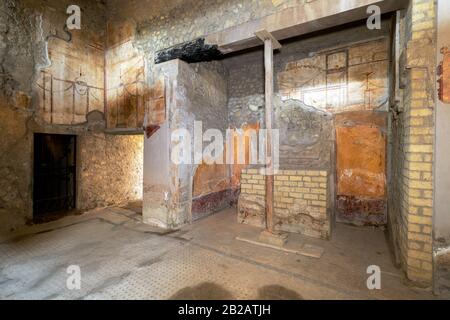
<point x="121" y="258"/>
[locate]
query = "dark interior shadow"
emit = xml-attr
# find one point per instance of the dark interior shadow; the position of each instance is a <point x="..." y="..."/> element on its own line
<point x="275" y="292"/>
<point x="204" y="291"/>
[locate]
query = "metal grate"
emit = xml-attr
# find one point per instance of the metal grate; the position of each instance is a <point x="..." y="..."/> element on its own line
<point x="54" y="173"/>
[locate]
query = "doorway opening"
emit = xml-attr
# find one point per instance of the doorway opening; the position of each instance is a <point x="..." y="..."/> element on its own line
<point x="54" y="188"/>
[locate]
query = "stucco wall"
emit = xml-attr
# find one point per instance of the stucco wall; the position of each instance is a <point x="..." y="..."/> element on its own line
<point x="442" y="173"/>
<point x="34" y="40"/>
<point x="442" y="170"/>
<point x="194" y="93"/>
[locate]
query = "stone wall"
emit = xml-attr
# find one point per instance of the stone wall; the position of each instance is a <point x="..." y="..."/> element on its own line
<point x="22" y="52"/>
<point x="162" y="24"/>
<point x="301" y="201"/>
<point x="110" y="169"/>
<point x="179" y="190"/>
<point x="33" y="41"/>
<point x="15" y="168"/>
<point x="318" y="78"/>
<point x="26" y="28"/>
<point x="293" y="64"/>
<point x="411" y="200"/>
<point x="136" y="31"/>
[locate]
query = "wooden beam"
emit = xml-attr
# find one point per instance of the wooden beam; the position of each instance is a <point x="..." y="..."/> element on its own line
<point x="264" y="35"/>
<point x="270" y="43"/>
<point x="291" y="22"/>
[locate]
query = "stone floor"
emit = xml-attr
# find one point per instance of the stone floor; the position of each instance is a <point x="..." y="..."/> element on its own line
<point x="121" y="258"/>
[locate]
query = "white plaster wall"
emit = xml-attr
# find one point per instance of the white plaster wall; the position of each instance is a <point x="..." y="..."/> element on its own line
<point x="442" y="172"/>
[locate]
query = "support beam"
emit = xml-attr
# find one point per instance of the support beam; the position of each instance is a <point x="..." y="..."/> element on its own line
<point x="299" y="20"/>
<point x="264" y="36"/>
<point x="270" y="43"/>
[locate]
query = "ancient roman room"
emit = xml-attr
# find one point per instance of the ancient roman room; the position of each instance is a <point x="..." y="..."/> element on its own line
<point x="224" y="150"/>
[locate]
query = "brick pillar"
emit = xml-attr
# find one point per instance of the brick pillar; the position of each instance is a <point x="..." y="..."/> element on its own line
<point x="419" y="142"/>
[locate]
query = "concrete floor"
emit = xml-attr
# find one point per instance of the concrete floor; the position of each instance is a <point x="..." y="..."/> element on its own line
<point x="121" y="258"/>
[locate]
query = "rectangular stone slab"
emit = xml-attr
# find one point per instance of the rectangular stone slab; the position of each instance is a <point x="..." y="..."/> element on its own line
<point x="306" y="250"/>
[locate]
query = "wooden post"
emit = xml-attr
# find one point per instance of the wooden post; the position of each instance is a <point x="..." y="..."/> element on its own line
<point x="270" y="44"/>
<point x="268" y="63"/>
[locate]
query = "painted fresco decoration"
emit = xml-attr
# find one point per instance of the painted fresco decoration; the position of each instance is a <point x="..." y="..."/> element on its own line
<point x="305" y="135"/>
<point x="444" y="76"/>
<point x="349" y="79"/>
<point x="353" y="84"/>
<point x="155" y="108"/>
<point x="72" y="86"/>
<point x="126" y="97"/>
<point x="126" y="80"/>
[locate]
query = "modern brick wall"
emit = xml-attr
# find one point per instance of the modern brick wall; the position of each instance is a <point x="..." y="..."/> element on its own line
<point x="300" y="201"/>
<point x="411" y="201"/>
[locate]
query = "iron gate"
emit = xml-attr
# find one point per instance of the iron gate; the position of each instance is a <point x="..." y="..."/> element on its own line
<point x="54" y="187"/>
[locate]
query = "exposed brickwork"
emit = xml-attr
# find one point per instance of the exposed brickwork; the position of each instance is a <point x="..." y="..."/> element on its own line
<point x="413" y="145"/>
<point x="300" y="201"/>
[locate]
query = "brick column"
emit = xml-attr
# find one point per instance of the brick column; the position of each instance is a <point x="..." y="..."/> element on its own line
<point x="419" y="131"/>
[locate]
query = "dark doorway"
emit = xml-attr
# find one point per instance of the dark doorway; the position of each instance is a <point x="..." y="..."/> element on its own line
<point x="54" y="174"/>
